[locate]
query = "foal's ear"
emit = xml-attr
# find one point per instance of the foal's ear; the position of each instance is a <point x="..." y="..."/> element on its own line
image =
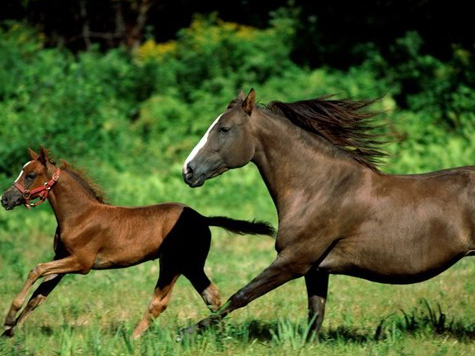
<point x="43" y="155"/>
<point x="32" y="154"/>
<point x="249" y="102"/>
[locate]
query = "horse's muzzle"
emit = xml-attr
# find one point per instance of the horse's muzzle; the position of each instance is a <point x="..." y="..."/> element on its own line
<point x="191" y="178"/>
<point x="11" y="198"/>
<point x="7" y="203"/>
<point x="4" y="201"/>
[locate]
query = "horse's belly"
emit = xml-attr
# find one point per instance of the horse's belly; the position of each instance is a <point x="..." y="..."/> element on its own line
<point x="386" y="264"/>
<point x="125" y="255"/>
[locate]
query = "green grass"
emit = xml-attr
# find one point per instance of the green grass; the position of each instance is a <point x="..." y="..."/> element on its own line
<point x="95" y="314"/>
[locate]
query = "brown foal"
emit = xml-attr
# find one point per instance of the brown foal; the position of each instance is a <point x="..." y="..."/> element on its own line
<point x="93" y="235"/>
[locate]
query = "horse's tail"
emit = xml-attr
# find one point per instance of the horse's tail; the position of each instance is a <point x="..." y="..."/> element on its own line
<point x="241" y="227"/>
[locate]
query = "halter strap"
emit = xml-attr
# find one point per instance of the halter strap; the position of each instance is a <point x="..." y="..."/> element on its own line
<point x="40" y="192"/>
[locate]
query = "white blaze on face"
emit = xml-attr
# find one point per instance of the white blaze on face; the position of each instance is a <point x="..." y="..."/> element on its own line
<point x="200" y="144"/>
<point x="26" y="164"/>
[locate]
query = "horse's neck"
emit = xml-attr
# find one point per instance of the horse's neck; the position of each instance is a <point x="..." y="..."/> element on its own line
<point x="296" y="165"/>
<point x="68" y="198"/>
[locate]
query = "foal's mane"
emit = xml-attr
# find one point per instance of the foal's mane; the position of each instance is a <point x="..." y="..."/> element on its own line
<point x="344" y="123"/>
<point x="91" y="188"/>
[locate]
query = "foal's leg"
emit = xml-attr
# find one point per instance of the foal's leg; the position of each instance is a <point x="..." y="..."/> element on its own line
<point x="282" y="270"/>
<point x="65" y="265"/>
<point x="317" y="288"/>
<point x="161" y="295"/>
<point x="196" y="249"/>
<point x="38" y="297"/>
<point x="205" y="288"/>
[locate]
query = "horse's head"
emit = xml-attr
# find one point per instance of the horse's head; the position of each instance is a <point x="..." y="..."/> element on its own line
<point x="227" y="144"/>
<point x="34" y="181"/>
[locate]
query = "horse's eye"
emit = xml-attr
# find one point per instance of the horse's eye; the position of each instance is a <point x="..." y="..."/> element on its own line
<point x="224" y="129"/>
<point x="31" y="175"/>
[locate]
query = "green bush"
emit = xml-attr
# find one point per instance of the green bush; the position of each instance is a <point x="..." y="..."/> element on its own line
<point x="443" y="91"/>
<point x="70" y="105"/>
<point x="213" y="55"/>
<point x="132" y="118"/>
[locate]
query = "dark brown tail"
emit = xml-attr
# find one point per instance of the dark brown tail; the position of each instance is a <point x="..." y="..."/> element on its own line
<point x="241" y="227"/>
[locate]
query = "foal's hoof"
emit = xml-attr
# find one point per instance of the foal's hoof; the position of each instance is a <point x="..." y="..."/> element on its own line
<point x="186" y="332"/>
<point x="8" y="333"/>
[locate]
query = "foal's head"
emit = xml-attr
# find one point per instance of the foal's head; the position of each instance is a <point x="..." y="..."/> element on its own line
<point x="227" y="143"/>
<point x="35" y="174"/>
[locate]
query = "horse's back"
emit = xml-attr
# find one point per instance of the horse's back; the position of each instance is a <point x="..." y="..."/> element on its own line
<point x="132" y="235"/>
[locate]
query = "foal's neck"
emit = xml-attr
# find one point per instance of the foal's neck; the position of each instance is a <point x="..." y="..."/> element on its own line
<point x="297" y="165"/>
<point x="68" y="198"/>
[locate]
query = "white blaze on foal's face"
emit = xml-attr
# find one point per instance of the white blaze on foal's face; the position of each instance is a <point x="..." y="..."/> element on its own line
<point x="26" y="164"/>
<point x="200" y="144"/>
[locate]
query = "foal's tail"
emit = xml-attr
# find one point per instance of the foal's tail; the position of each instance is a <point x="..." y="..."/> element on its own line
<point x="241" y="227"/>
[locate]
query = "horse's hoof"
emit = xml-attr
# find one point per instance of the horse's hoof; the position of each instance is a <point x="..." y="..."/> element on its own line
<point x="186" y="332"/>
<point x="8" y="333"/>
<point x="135" y="336"/>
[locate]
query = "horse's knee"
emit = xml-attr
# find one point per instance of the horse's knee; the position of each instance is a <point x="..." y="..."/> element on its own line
<point x="35" y="273"/>
<point x="35" y="302"/>
<point x="16" y="304"/>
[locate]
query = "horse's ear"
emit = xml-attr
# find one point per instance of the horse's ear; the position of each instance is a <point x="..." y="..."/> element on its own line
<point x="249" y="102"/>
<point x="32" y="154"/>
<point x="238" y="100"/>
<point x="241" y="96"/>
<point x="43" y="155"/>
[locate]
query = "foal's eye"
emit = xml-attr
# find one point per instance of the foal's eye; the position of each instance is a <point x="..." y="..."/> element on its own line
<point x="31" y="175"/>
<point x="224" y="129"/>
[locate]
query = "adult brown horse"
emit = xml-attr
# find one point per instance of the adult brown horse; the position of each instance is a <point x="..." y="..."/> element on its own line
<point x="94" y="235"/>
<point x="337" y="213"/>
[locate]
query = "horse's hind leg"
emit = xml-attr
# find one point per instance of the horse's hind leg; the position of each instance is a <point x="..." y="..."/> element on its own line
<point x="166" y="280"/>
<point x="196" y="250"/>
<point x="204" y="287"/>
<point x="39" y="295"/>
<point x="317" y="288"/>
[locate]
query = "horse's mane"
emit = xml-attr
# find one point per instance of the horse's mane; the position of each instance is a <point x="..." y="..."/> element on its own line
<point x="93" y="189"/>
<point x="344" y="123"/>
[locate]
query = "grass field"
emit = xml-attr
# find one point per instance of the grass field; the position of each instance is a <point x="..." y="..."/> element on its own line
<point x="95" y="314"/>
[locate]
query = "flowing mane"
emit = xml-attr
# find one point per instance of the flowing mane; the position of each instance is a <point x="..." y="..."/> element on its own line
<point x="93" y="189"/>
<point x="344" y="123"/>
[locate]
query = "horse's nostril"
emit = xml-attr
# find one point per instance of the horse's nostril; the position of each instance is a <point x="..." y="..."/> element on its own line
<point x="4" y="200"/>
<point x="188" y="172"/>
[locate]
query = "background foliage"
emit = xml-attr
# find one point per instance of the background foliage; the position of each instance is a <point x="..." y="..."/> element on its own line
<point x="129" y="101"/>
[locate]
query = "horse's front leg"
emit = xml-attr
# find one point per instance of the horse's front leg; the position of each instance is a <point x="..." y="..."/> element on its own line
<point x="317" y="289"/>
<point x="69" y="264"/>
<point x="285" y="267"/>
<point x="39" y="295"/>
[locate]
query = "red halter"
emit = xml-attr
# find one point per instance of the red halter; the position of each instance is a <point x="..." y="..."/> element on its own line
<point x="40" y="192"/>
